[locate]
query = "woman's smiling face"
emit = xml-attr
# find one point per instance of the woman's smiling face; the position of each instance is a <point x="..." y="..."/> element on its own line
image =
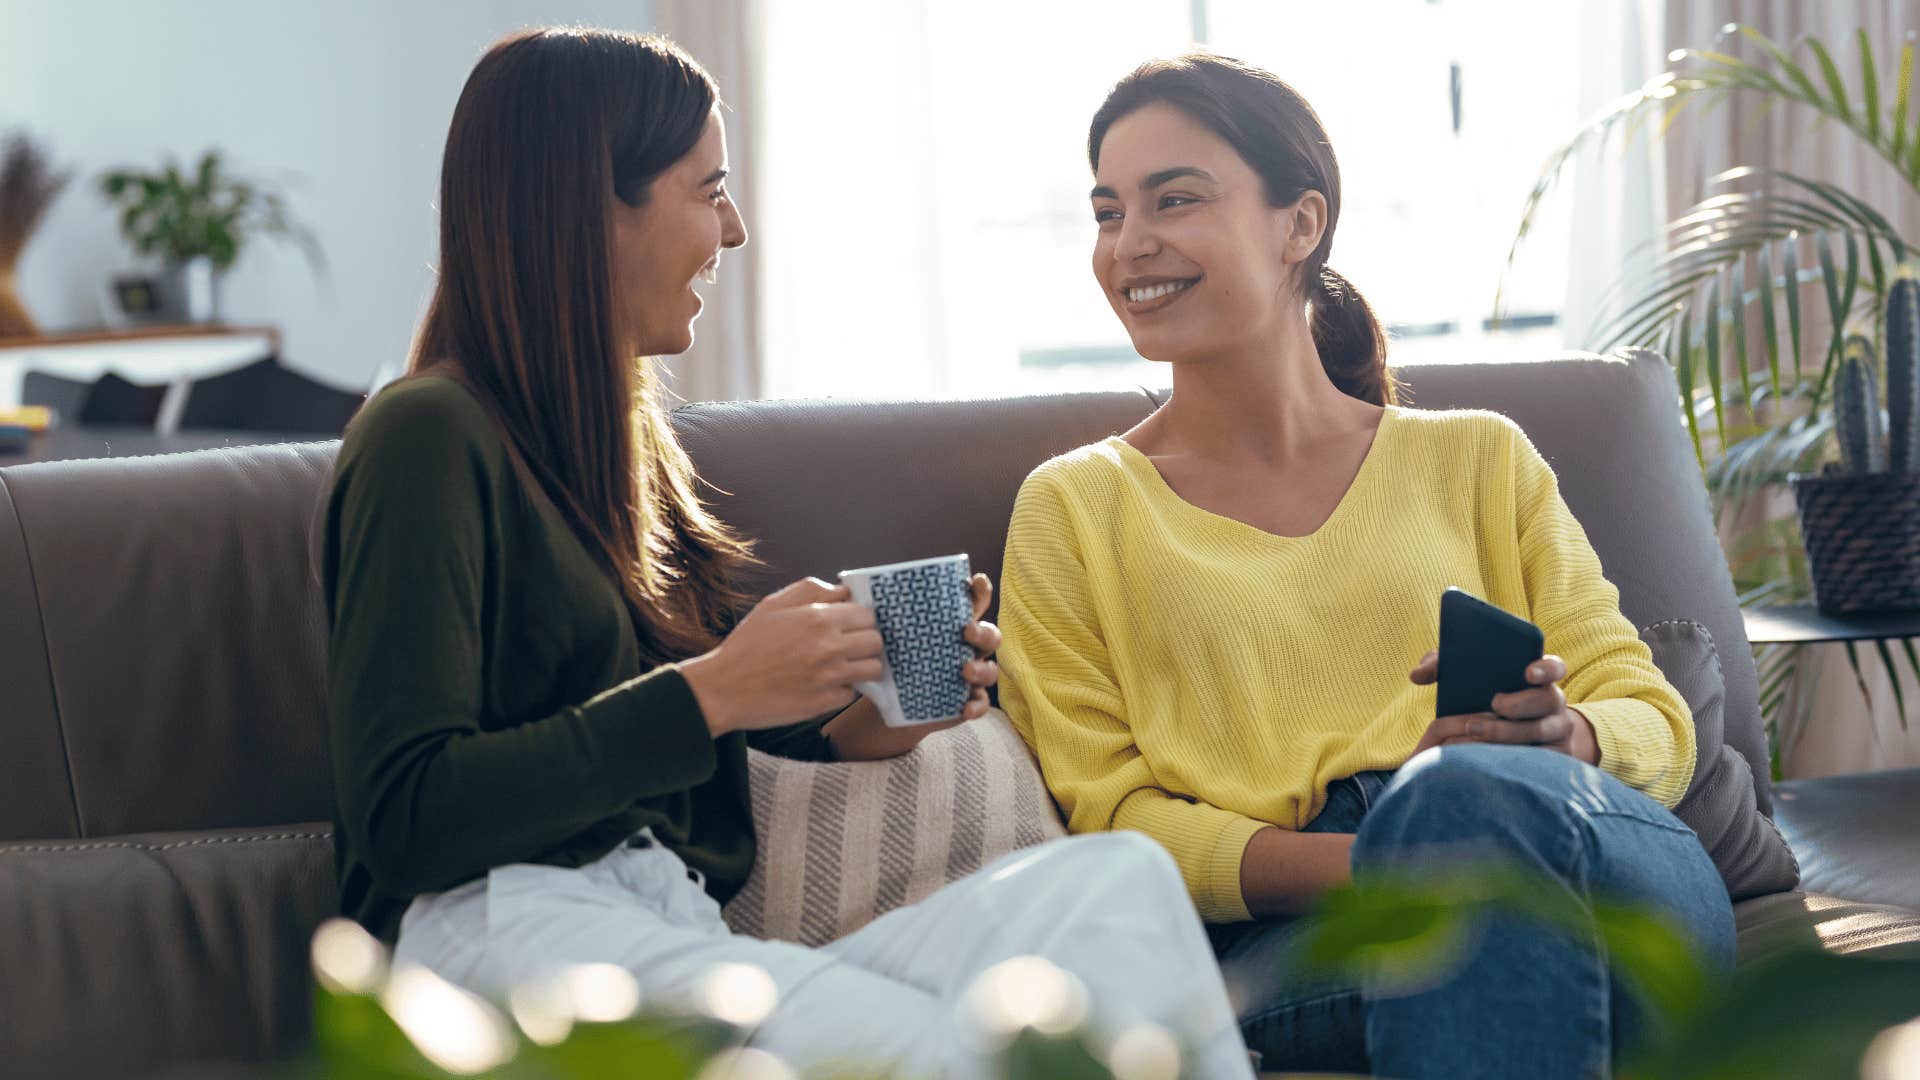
<point x="1189" y="253"/>
<point x="672" y="240"/>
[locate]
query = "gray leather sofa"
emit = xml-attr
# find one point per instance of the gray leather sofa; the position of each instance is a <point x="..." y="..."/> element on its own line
<point x="164" y="789"/>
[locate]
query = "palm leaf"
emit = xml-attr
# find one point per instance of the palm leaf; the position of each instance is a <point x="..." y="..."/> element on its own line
<point x="1903" y="86"/>
<point x="1869" y="85"/>
<point x="1712" y="339"/>
<point x="1836" y="87"/>
<point x="1790" y="270"/>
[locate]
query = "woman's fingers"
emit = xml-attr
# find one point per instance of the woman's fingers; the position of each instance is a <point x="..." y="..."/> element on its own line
<point x="977" y="705"/>
<point x="981" y="586"/>
<point x="1488" y="728"/>
<point x="1530" y="704"/>
<point x="983" y="636"/>
<point x="1427" y="671"/>
<point x="1547" y="670"/>
<point x="981" y="673"/>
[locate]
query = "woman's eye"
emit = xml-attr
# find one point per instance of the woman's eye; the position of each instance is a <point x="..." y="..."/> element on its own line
<point x="1168" y="202"/>
<point x="1106" y="214"/>
<point x="719" y="193"/>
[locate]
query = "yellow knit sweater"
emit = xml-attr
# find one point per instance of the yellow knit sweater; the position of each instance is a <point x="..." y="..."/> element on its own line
<point x="1195" y="678"/>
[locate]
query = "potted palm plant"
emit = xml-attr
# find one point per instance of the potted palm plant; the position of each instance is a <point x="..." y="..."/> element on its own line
<point x="198" y="221"/>
<point x="1757" y="289"/>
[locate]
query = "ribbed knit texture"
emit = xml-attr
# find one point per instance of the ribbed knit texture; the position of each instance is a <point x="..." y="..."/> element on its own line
<point x="1196" y="678"/>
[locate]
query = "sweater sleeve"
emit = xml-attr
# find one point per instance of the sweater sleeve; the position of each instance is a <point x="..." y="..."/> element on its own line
<point x="1058" y="687"/>
<point x="428" y="797"/>
<point x="1644" y="727"/>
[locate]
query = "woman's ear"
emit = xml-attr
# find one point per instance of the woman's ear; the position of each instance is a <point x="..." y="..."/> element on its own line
<point x="1307" y="223"/>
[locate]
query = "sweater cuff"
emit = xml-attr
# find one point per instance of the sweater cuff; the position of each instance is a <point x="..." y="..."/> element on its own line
<point x="1638" y="748"/>
<point x="1225" y="903"/>
<point x="654" y="733"/>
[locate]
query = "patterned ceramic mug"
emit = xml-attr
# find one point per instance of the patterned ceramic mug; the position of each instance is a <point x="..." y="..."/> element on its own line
<point x="922" y="607"/>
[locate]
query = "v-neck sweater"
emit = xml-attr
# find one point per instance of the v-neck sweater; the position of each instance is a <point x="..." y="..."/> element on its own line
<point x="1196" y="678"/>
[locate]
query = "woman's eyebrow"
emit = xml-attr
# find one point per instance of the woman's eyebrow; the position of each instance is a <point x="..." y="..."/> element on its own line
<point x="1155" y="179"/>
<point x="715" y="176"/>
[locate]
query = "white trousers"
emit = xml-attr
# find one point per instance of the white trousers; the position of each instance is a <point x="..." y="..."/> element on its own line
<point x="1108" y="907"/>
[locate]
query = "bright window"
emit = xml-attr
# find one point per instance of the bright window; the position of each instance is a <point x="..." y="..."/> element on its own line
<point x="923" y="216"/>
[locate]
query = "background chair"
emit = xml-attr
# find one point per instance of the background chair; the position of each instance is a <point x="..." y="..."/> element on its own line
<point x="63" y="395"/>
<point x="267" y="397"/>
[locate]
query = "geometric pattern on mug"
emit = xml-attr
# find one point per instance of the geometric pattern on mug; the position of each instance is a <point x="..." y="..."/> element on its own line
<point x="921" y="612"/>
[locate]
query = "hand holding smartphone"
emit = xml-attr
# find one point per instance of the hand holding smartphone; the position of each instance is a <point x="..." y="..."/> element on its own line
<point x="1484" y="651"/>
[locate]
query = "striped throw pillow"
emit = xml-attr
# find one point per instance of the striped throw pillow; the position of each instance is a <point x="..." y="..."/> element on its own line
<point x="842" y="843"/>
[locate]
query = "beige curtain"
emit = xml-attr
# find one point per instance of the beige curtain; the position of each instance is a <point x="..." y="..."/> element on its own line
<point x="724" y="363"/>
<point x="1848" y="731"/>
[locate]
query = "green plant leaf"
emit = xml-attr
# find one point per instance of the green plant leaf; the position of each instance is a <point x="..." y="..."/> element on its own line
<point x="1794" y="72"/>
<point x="1836" y="87"/>
<point x="1738" y="293"/>
<point x="1790" y="270"/>
<point x="1903" y="87"/>
<point x="1893" y="680"/>
<point x="1712" y="338"/>
<point x="1768" y="326"/>
<point x="1913" y="666"/>
<point x="1869" y="86"/>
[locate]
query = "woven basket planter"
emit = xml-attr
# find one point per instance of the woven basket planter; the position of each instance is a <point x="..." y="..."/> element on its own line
<point x="1862" y="533"/>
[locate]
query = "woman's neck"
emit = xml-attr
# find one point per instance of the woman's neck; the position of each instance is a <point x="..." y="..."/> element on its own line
<point x="1263" y="403"/>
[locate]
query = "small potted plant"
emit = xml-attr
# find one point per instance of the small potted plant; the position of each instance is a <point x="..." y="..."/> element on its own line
<point x="1860" y="517"/>
<point x="198" y="222"/>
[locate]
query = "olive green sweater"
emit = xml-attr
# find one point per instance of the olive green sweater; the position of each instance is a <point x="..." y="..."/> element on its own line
<point x="488" y="702"/>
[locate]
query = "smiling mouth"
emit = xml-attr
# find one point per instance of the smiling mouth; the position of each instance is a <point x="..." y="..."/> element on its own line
<point x="1154" y="297"/>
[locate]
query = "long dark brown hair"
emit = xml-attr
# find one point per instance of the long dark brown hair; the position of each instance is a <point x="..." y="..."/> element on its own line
<point x="1279" y="136"/>
<point x="552" y="126"/>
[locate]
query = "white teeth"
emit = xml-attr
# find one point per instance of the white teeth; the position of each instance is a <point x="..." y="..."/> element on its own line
<point x="1154" y="292"/>
<point x="711" y="275"/>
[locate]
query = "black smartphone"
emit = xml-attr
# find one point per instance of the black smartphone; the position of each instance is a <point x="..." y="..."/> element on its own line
<point x="1484" y="651"/>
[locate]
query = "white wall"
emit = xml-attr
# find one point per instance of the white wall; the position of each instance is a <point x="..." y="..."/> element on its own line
<point x="347" y="99"/>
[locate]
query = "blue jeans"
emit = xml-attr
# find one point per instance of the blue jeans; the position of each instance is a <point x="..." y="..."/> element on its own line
<point x="1529" y="1000"/>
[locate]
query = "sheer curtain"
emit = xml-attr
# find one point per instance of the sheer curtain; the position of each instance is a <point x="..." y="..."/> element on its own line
<point x="1845" y="732"/>
<point x="725" y="360"/>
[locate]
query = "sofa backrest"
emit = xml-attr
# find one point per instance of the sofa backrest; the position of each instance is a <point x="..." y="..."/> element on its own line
<point x="162" y="647"/>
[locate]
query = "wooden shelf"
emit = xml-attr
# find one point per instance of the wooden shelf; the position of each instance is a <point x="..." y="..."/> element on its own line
<point x="139" y="333"/>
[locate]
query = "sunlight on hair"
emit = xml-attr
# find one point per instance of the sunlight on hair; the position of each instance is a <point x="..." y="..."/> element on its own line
<point x="740" y="994"/>
<point x="449" y="1026"/>
<point x="601" y="993"/>
<point x="1145" y="1052"/>
<point x="1894" y="1054"/>
<point x="745" y="1064"/>
<point x="347" y="959"/>
<point x="1027" y="992"/>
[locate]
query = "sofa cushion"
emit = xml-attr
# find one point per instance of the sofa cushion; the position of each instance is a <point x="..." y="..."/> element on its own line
<point x="1719" y="805"/>
<point x="180" y="631"/>
<point x="129" y="953"/>
<point x="1857" y="836"/>
<point x="842" y="843"/>
<point x="1770" y="925"/>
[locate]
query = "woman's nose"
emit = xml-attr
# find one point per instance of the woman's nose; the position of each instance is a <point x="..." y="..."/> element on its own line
<point x="733" y="228"/>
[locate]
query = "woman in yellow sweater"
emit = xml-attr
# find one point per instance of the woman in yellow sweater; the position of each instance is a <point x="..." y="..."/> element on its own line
<point x="1210" y="619"/>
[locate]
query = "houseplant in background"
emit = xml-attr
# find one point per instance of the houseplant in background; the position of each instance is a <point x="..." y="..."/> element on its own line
<point x="198" y="221"/>
<point x="28" y="185"/>
<point x="1725" y="298"/>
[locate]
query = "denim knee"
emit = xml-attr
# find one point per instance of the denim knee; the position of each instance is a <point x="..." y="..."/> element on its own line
<point x="1492" y="800"/>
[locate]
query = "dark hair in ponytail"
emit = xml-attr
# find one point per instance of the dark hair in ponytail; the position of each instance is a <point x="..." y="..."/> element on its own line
<point x="1278" y="135"/>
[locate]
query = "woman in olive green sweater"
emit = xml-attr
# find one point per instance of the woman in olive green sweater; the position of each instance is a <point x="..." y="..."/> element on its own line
<point x="540" y="697"/>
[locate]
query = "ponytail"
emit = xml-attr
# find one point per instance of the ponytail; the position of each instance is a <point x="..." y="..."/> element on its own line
<point x="1351" y="341"/>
